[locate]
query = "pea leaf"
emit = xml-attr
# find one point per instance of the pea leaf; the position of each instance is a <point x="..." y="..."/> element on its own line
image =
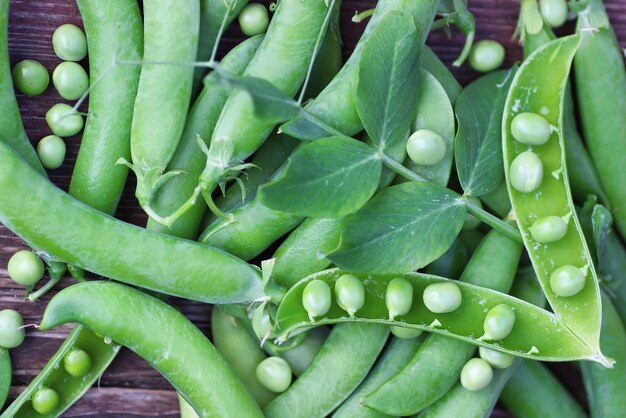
<point x="403" y="228"/>
<point x="477" y="145"/>
<point x="327" y="178"/>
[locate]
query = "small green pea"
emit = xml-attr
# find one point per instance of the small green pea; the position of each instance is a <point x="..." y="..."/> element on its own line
<point x="442" y="297"/>
<point x="486" y="55"/>
<point x="71" y="80"/>
<point x="316" y="298"/>
<point x="11" y="331"/>
<point x="554" y="12"/>
<point x="548" y="229"/>
<point x="526" y="172"/>
<point x="30" y="77"/>
<point x="398" y="297"/>
<point x="69" y="43"/>
<point x="25" y="268"/>
<point x="405" y="333"/>
<point x="45" y="400"/>
<point x="350" y="293"/>
<point x="476" y="375"/>
<point x="472" y="222"/>
<point x="567" y="281"/>
<point x="51" y="151"/>
<point x="77" y="362"/>
<point x="275" y="374"/>
<point x="530" y="129"/>
<point x="499" y="322"/>
<point x="426" y="147"/>
<point x="254" y="19"/>
<point x="495" y="358"/>
<point x="64" y="120"/>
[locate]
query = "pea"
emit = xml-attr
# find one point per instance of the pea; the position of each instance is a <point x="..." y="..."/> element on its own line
<point x="398" y="297"/>
<point x="316" y="298"/>
<point x="69" y="43"/>
<point x="25" y="268"/>
<point x="426" y="147"/>
<point x="71" y="80"/>
<point x="11" y="333"/>
<point x="77" y="362"/>
<point x="442" y="297"/>
<point x="526" y="172"/>
<point x="476" y="375"/>
<point x="64" y="120"/>
<point x="554" y="12"/>
<point x="350" y="293"/>
<point x="548" y="229"/>
<point x="274" y="373"/>
<point x="405" y="333"/>
<point x="486" y="55"/>
<point x="254" y="19"/>
<point x="496" y="358"/>
<point x="567" y="281"/>
<point x="472" y="222"/>
<point x="30" y="77"/>
<point x="51" y="151"/>
<point x="530" y="129"/>
<point x="45" y="400"/>
<point x="499" y="322"/>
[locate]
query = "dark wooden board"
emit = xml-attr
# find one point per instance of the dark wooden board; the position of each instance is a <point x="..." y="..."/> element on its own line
<point x="131" y="388"/>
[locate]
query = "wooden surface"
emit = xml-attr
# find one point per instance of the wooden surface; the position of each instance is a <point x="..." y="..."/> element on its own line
<point x="131" y="388"/>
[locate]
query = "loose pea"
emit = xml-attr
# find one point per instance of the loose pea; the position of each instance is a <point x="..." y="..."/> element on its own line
<point x="350" y="293"/>
<point x="30" y="77"/>
<point x="51" y="151"/>
<point x="274" y="373"/>
<point x="316" y="298"/>
<point x="11" y="331"/>
<point x="476" y="375"/>
<point x="64" y="120"/>
<point x="486" y="55"/>
<point x="25" y="268"/>
<point x="254" y="19"/>
<point x="425" y="147"/>
<point x="472" y="222"/>
<point x="405" y="333"/>
<point x="77" y="362"/>
<point x="398" y="297"/>
<point x="526" y="172"/>
<point x="71" y="80"/>
<point x="45" y="400"/>
<point x="442" y="297"/>
<point x="554" y="12"/>
<point x="69" y="43"/>
<point x="530" y="129"/>
<point x="496" y="358"/>
<point x="567" y="281"/>
<point x="499" y="322"/>
<point x="548" y="229"/>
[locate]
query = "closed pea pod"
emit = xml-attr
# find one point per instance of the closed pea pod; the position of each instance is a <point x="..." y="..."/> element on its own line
<point x="5" y="375"/>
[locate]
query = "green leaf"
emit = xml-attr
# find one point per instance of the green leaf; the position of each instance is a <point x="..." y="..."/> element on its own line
<point x="327" y="178"/>
<point x="478" y="142"/>
<point x="601" y="221"/>
<point x="388" y="79"/>
<point x="403" y="228"/>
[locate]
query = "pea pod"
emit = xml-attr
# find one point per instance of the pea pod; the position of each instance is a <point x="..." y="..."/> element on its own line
<point x="5" y="375"/>
<point x="301" y="356"/>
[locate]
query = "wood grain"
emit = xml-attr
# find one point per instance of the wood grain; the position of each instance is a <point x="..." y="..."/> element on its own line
<point x="131" y="388"/>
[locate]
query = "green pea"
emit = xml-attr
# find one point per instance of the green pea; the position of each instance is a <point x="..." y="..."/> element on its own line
<point x="71" y="80"/>
<point x="476" y="375"/>
<point x="426" y="147"/>
<point x="64" y="120"/>
<point x="567" y="281"/>
<point x="25" y="268"/>
<point x="472" y="222"/>
<point x="77" y="362"/>
<point x="274" y="373"/>
<point x="554" y="12"/>
<point x="69" y="43"/>
<point x="486" y="55"/>
<point x="254" y="19"/>
<point x="51" y="151"/>
<point x="499" y="322"/>
<point x="316" y="298"/>
<point x="11" y="331"/>
<point x="526" y="172"/>
<point x="350" y="293"/>
<point x="30" y="77"/>
<point x="398" y="297"/>
<point x="530" y="129"/>
<point x="45" y="400"/>
<point x="496" y="358"/>
<point x="405" y="333"/>
<point x="548" y="229"/>
<point x="442" y="297"/>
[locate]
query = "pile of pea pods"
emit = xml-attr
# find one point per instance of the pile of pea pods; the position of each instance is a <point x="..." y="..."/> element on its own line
<point x="375" y="239"/>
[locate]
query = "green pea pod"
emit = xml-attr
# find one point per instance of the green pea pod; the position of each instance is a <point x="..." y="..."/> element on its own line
<point x="5" y="375"/>
<point x="186" y="411"/>
<point x="431" y="63"/>
<point x="55" y="376"/>
<point x="189" y="362"/>
<point x="614" y="266"/>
